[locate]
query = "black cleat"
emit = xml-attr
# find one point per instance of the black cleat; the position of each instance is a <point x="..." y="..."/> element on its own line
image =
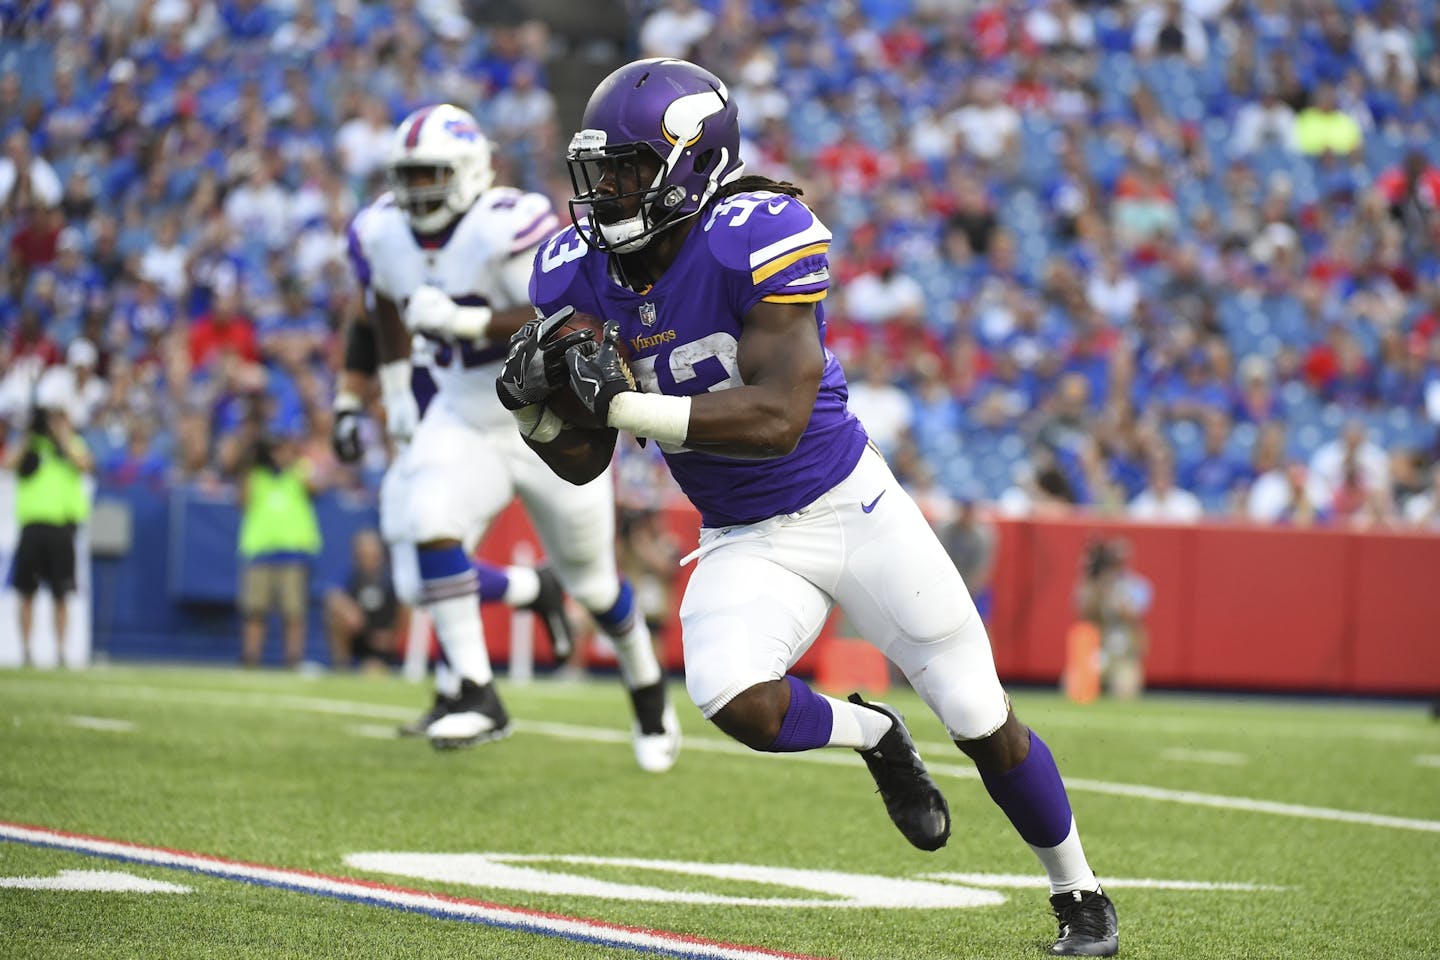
<point x="418" y="726"/>
<point x="1088" y="926"/>
<point x="549" y="606"/>
<point x="475" y="716"/>
<point x="913" y="801"/>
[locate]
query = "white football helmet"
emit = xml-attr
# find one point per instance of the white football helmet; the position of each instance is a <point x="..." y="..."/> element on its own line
<point x="439" y="164"/>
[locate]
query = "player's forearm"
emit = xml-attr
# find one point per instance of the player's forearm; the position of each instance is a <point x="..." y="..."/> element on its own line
<point x="391" y="337"/>
<point x="750" y="422"/>
<point x="504" y="323"/>
<point x="355" y="384"/>
<point x="578" y="455"/>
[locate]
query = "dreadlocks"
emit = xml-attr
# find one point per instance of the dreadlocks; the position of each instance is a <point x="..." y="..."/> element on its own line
<point x="757" y="182"/>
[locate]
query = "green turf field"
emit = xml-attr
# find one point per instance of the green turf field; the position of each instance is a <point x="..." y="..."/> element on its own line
<point x="1224" y="828"/>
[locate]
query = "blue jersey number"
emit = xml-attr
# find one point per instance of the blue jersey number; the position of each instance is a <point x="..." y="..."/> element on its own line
<point x="472" y="354"/>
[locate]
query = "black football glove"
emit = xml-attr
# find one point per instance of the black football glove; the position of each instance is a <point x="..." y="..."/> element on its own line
<point x="345" y="429"/>
<point x="535" y="368"/>
<point x="598" y="373"/>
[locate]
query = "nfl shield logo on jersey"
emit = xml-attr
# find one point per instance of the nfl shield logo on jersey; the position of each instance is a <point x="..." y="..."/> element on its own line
<point x="647" y="314"/>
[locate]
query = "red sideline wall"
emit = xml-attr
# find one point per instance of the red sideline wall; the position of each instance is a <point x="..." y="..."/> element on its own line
<point x="1235" y="607"/>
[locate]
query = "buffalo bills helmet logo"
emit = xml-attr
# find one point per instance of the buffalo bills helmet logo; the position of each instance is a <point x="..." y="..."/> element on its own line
<point x="462" y="129"/>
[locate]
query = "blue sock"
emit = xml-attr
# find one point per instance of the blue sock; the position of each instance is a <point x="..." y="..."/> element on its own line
<point x="1033" y="796"/>
<point x="616" y="621"/>
<point x="445" y="573"/>
<point x="494" y="581"/>
<point x="808" y="723"/>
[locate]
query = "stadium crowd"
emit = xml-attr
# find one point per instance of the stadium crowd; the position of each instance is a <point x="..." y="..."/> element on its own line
<point x="1169" y="259"/>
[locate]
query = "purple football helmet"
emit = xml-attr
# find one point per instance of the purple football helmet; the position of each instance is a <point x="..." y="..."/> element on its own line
<point x="659" y="111"/>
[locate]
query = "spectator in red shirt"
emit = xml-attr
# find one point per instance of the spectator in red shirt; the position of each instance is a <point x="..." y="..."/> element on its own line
<point x="23" y="359"/>
<point x="225" y="328"/>
<point x="851" y="165"/>
<point x="1413" y="181"/>
<point x="35" y="243"/>
<point x="30" y="341"/>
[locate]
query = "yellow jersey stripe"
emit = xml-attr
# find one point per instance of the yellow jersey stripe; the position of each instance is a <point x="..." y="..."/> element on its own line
<point x="797" y="297"/>
<point x="780" y="263"/>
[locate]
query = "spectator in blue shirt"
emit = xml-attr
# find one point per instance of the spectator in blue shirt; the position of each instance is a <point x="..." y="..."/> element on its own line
<point x="1215" y="475"/>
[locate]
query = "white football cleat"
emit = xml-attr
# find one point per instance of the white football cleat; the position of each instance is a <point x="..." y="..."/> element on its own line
<point x="475" y="716"/>
<point x="657" y="752"/>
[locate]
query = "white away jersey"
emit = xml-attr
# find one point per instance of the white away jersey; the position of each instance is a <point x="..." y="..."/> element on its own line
<point x="474" y="263"/>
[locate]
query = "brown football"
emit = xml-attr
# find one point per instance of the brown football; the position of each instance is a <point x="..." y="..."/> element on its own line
<point x="563" y="402"/>
<point x="576" y="322"/>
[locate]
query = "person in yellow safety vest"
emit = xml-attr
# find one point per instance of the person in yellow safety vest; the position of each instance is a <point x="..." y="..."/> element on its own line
<point x="50" y="502"/>
<point x="279" y="538"/>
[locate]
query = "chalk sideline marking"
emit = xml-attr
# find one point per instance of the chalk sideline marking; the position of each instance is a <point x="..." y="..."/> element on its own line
<point x="440" y="906"/>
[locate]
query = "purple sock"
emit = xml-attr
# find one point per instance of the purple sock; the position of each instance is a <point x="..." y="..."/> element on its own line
<point x="808" y="720"/>
<point x="1033" y="797"/>
<point x="494" y="581"/>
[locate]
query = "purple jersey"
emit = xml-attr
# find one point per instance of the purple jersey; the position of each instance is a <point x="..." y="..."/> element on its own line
<point x="682" y="336"/>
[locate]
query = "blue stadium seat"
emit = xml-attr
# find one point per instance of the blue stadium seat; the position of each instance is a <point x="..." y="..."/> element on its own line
<point x="1241" y="444"/>
<point x="1333" y="417"/>
<point x="1296" y="400"/>
<point x="1305" y="441"/>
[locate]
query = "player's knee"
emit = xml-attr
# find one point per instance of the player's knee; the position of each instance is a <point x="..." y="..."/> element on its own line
<point x="1002" y="750"/>
<point x="610" y="601"/>
<point x="971" y="715"/>
<point x="754" y="717"/>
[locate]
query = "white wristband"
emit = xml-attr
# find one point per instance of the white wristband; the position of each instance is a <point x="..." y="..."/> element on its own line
<point x="538" y="422"/>
<point x="653" y="415"/>
<point x="346" y="402"/>
<point x="394" y="378"/>
<point x="470" y="323"/>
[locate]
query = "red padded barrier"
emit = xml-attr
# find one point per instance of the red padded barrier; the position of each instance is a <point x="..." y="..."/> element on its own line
<point x="1235" y="606"/>
<point x="1268" y="609"/>
<point x="1397" y="614"/>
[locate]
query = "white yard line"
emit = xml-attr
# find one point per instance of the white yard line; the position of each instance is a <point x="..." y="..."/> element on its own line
<point x="1428" y="760"/>
<point x="1219" y="758"/>
<point x="92" y="881"/>
<point x="101" y="723"/>
<point x="715" y="745"/>
<point x="373" y="731"/>
<point x="1040" y="881"/>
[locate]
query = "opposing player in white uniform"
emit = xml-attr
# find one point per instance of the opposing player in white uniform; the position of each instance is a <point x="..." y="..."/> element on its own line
<point x="525" y="588"/>
<point x="447" y="255"/>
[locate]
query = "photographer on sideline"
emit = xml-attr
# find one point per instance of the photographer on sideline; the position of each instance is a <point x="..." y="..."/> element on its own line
<point x="50" y="502"/>
<point x="279" y="539"/>
<point x="1116" y="598"/>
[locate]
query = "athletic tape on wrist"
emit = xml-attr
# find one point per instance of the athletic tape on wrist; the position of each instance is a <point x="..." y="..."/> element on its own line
<point x="394" y="378"/>
<point x="538" y="422"/>
<point x="471" y="323"/>
<point x="653" y="415"/>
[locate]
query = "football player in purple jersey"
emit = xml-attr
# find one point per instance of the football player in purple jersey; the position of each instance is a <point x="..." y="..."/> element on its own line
<point x="711" y="284"/>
